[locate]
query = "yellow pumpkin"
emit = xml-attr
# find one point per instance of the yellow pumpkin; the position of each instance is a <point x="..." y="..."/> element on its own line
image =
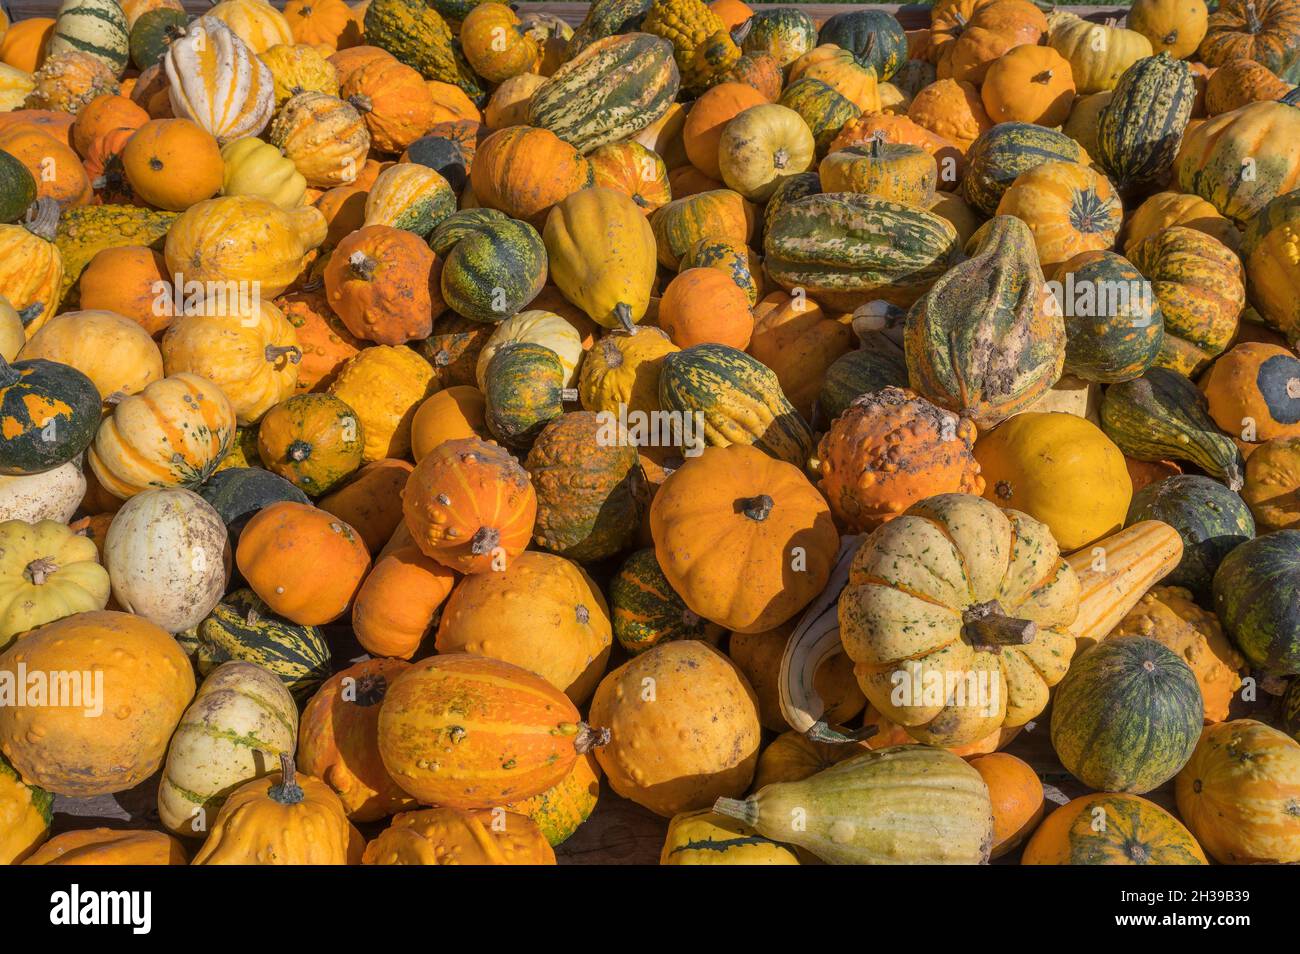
<point x="47" y="572"/>
<point x="704" y="838"/>
<point x="31" y="266"/>
<point x="298" y="69"/>
<point x="256" y="22"/>
<point x="1097" y="52"/>
<point x="1165" y="209"/>
<point x="254" y="167"/>
<point x="762" y="147"/>
<point x="1176" y="26"/>
<point x="326" y="138"/>
<point x="622" y="369"/>
<point x="115" y="352"/>
<point x="385" y="385"/>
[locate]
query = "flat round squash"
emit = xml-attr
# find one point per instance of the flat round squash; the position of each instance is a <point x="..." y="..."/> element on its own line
<point x="1112" y="829"/>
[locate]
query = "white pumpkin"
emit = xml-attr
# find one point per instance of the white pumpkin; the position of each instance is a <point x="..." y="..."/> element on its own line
<point x="53" y="495"/>
<point x="538" y="327"/>
<point x="215" y="80"/>
<point x="234" y="731"/>
<point x="12" y="337"/>
<point x="116" y="353"/>
<point x="168" y="557"/>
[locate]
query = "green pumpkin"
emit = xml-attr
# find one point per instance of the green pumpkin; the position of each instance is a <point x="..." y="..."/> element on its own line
<point x="418" y="36"/>
<point x="237" y="493"/>
<point x="875" y="38"/>
<point x="448" y="155"/>
<point x="242" y="627"/>
<point x="153" y="33"/>
<point x="1127" y="715"/>
<point x="787" y="33"/>
<point x="1114" y="328"/>
<point x="605" y="18"/>
<point x="790" y="189"/>
<point x="645" y="610"/>
<point x="523" y="392"/>
<point x="1162" y="416"/>
<point x="1255" y="593"/>
<point x="822" y="107"/>
<point x="493" y="265"/>
<point x="980" y="341"/>
<point x="737" y="398"/>
<point x="591" y="491"/>
<point x="49" y="413"/>
<point x="17" y="189"/>
<point x="1140" y="128"/>
<point x="858" y="372"/>
<point x="615" y="88"/>
<point x="454" y="347"/>
<point x="95" y="27"/>
<point x="1004" y="152"/>
<point x="845" y="249"/>
<point x="1211" y="519"/>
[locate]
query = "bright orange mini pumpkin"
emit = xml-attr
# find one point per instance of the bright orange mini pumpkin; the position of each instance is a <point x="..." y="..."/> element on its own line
<point x="397" y="604"/>
<point x="707" y="118"/>
<point x="126" y="280"/>
<point x="306" y="564"/>
<point x="1029" y="84"/>
<point x="397" y="106"/>
<point x="524" y="171"/>
<point x="371" y="501"/>
<point x="703" y="305"/>
<point x="379" y="282"/>
<point x="173" y="163"/>
<point x="1017" y="797"/>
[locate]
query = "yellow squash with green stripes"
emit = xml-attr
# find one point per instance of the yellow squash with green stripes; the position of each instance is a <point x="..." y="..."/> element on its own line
<point x="703" y="838"/>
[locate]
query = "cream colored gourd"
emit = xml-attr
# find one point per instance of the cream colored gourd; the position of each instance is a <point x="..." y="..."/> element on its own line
<point x="53" y="495"/>
<point x="47" y="572"/>
<point x="1097" y="52"/>
<point x="540" y="327"/>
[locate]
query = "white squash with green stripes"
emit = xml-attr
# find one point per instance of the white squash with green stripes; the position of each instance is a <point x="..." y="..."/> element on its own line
<point x="94" y="27"/>
<point x="234" y="731"/>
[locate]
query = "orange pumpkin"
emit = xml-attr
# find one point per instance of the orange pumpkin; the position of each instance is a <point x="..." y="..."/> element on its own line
<point x="51" y="122"/>
<point x="392" y="97"/>
<point x="173" y="163"/>
<point x="305" y="563"/>
<point x="108" y="846"/>
<point x="451" y="104"/>
<point x="634" y="170"/>
<point x="1017" y="797"/>
<point x="687" y="180"/>
<point x="453" y="413"/>
<point x="703" y="305"/>
<point x="24" y="43"/>
<point x="799" y="341"/>
<point x="1239" y="83"/>
<point x="952" y="109"/>
<point x="399" y="601"/>
<point x="56" y="169"/>
<point x="380" y="282"/>
<point x="324" y="340"/>
<point x="344" y="208"/>
<point x="127" y="280"/>
<point x="947" y="155"/>
<point x="322" y="22"/>
<point x="524" y="171"/>
<point x="495" y="43"/>
<point x="707" y="118"/>
<point x="371" y="501"/>
<point x="104" y="114"/>
<point x="348" y="61"/>
<point x="1029" y="84"/>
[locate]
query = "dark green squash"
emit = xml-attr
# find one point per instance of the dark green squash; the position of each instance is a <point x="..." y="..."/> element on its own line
<point x="875" y="38"/>
<point x="1162" y="416"/>
<point x="591" y="491"/>
<point x="1211" y="519"/>
<point x="822" y="107"/>
<point x="242" y="627"/>
<point x="785" y="32"/>
<point x="523" y="392"/>
<point x="17" y="189"/>
<point x="493" y="265"/>
<point x="416" y="35"/>
<point x="1114" y="328"/>
<point x="1289" y="721"/>
<point x="645" y="610"/>
<point x="1140" y="128"/>
<point x="738" y="399"/>
<point x="1004" y="152"/>
<point x="49" y="413"/>
<point x="1256" y="592"/>
<point x="856" y="373"/>
<point x="1127" y="715"/>
<point x="448" y="150"/>
<point x="844" y="249"/>
<point x="606" y="18"/>
<point x="454" y="347"/>
<point x="1293" y="97"/>
<point x="153" y="32"/>
<point x="237" y="493"/>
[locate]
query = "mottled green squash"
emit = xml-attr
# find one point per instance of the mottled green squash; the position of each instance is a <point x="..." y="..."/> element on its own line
<point x="645" y="610"/>
<point x="717" y="213"/>
<point x="243" y="627"/>
<point x="874" y="37"/>
<point x="493" y="265"/>
<point x="1114" y="328"/>
<point x="523" y="391"/>
<point x="237" y="493"/>
<point x="563" y="807"/>
<point x="984" y="341"/>
<point x="787" y="33"/>
<point x="791" y="189"/>
<point x="1127" y="715"/>
<point x="1256" y="589"/>
<point x="858" y="372"/>
<point x="1003" y="152"/>
<point x="822" y="107"/>
<point x="417" y="35"/>
<point x="606" y="18"/>
<point x="17" y="189"/>
<point x="1140" y="128"/>
<point x="738" y="399"/>
<point x="49" y="413"/>
<point x="1162" y="416"/>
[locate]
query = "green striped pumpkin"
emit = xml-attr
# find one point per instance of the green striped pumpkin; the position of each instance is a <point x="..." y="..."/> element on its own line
<point x="738" y="398"/>
<point x="1255" y="592"/>
<point x="417" y="35"/>
<point x="1108" y="338"/>
<point x="242" y="627"/>
<point x="822" y="107"/>
<point x="612" y="90"/>
<point x="493" y="265"/>
<point x="791" y="189"/>
<point x="17" y="189"/>
<point x="874" y="37"/>
<point x="859" y="372"/>
<point x="49" y="413"/>
<point x="1127" y="715"/>
<point x="1162" y="416"/>
<point x="787" y="33"/>
<point x="1003" y="152"/>
<point x="605" y="18"/>
<point x="845" y="249"/>
<point x="1140" y="128"/>
<point x="94" y="27"/>
<point x="645" y="610"/>
<point x="523" y="391"/>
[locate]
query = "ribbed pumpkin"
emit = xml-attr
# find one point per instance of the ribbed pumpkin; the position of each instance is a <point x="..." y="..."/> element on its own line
<point x="31" y="265"/>
<point x="409" y="196"/>
<point x="255" y="22"/>
<point x="623" y="369"/>
<point x="1240" y="160"/>
<point x="894" y="171"/>
<point x="1272" y="484"/>
<point x="523" y="171"/>
<point x="492" y="265"/>
<point x="216" y="79"/>
<point x="254" y="167"/>
<point x="384" y="385"/>
<point x="716" y="213"/>
<point x="1098" y="54"/>
<point x="1260" y="30"/>
<point x="392" y="98"/>
<point x="538" y="327"/>
<point x="299" y="69"/>
<point x="1112" y="829"/>
<point x="312" y="440"/>
<point x="1164" y="209"/>
<point x="1273" y="263"/>
<point x="48" y="415"/>
<point x="47" y="572"/>
<point x="447" y="836"/>
<point x="636" y="171"/>
<point x="325" y="136"/>
<point x="1069" y="207"/>
<point x="378" y="281"/>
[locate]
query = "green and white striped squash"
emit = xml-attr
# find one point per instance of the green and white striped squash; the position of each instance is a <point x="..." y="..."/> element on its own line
<point x="1139" y="130"/>
<point x="410" y="196"/>
<point x="94" y="27"/>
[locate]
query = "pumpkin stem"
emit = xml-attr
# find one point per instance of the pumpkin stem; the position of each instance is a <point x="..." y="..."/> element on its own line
<point x="1044" y="77"/>
<point x="362" y="265"/>
<point x="1170" y="38"/>
<point x="485" y="540"/>
<point x="1253" y="24"/>
<point x="756" y="508"/>
<point x="41" y="569"/>
<point x="275" y="352"/>
<point x="287" y="791"/>
<point x="876" y="143"/>
<point x="822" y="732"/>
<point x="780" y="159"/>
<point x="744" y="810"/>
<point x="43" y="218"/>
<point x="589" y="738"/>
<point x="987" y="627"/>
<point x="252" y="617"/>
<point x="361" y="102"/>
<point x="623" y="312"/>
<point x="371" y="689"/>
<point x="641" y="201"/>
<point x="298" y="451"/>
<point x="8" y="376"/>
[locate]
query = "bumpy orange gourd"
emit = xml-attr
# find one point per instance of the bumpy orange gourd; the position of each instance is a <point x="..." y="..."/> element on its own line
<point x="378" y="282"/>
<point x="446" y="836"/>
<point x="108" y="846"/>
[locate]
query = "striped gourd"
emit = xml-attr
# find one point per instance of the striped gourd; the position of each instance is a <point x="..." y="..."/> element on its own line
<point x="95" y="27"/>
<point x="605" y="18"/>
<point x="790" y="189"/>
<point x="705" y="838"/>
<point x="844" y="249"/>
<point x="1008" y="149"/>
<point x="1161" y="416"/>
<point x="410" y="196"/>
<point x="611" y="91"/>
<point x="822" y="107"/>
<point x="645" y="610"/>
<point x="739" y="399"/>
<point x="242" y="627"/>
<point x="860" y="371"/>
<point x="523" y="390"/>
<point x="240" y="721"/>
<point x="216" y="80"/>
<point x="1139" y="130"/>
<point x="1116" y="571"/>
<point x="493" y="265"/>
<point x="1240" y="160"/>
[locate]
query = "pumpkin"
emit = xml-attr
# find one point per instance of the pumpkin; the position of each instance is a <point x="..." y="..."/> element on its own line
<point x="1261" y="30"/>
<point x="1004" y="151"/>
<point x="761" y="147"/>
<point x="283" y="551"/>
<point x="236" y="493"/>
<point x="326" y="138"/>
<point x="524" y="171"/>
<point x="1239" y="82"/>
<point x="448" y="836"/>
<point x="493" y="265"/>
<point x="312" y="440"/>
<point x="523" y="391"/>
<point x="1271" y="264"/>
<point x="645" y="610"/>
<point x="370" y="501"/>
<point x="85" y="231"/>
<point x="282" y="819"/>
<point x="1175" y="26"/>
<point x="48" y="413"/>
<point x="1249" y="391"/>
<point x="1237" y="790"/>
<point x="112" y="847"/>
<point x="1098" y="54"/>
<point x="470" y="506"/>
<point x="102" y="115"/>
<point x="216" y="79"/>
<point x="167" y="554"/>
<point x="17" y="188"/>
<point x="703" y="305"/>
<point x="800" y="342"/>
<point x="255" y="22"/>
<point x="378" y="281"/>
<point x="1250" y="591"/>
<point x="1017" y="798"/>
<point x="715" y="213"/>
<point x="1112" y="829"/>
<point x="298" y="69"/>
<point x="636" y="171"/>
<point x="823" y="109"/>
<point x="539" y="327"/>
<point x="1271" y="484"/>
<point x="622" y="370"/>
<point x="26" y="810"/>
<point x="948" y="354"/>
<point x="392" y="98"/>
<point x="1030" y="84"/>
<point x="327" y="22"/>
<point x="147" y="683"/>
<point x="50" y="495"/>
<point x="1029" y="453"/>
<point x="1114" y="328"/>
<point x="1127" y="715"/>
<point x="1069" y="207"/>
<point x="1242" y="159"/>
<point x="894" y="171"/>
<point x="702" y="132"/>
<point x="384" y="385"/>
<point x="495" y="43"/>
<point x="839" y="69"/>
<point x="325" y="342"/>
<point x="47" y="572"/>
<point x="54" y="167"/>
<point x="69" y="80"/>
<point x="399" y="602"/>
<point x="756" y="514"/>
<point x="456" y="412"/>
<point x="175" y="163"/>
<point x="705" y="838"/>
<point x="509" y="103"/>
<point x="32" y="272"/>
<point x="241" y="719"/>
<point x="888" y="450"/>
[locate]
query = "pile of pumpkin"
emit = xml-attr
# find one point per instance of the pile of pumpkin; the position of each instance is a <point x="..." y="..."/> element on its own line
<point x="346" y="316"/>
